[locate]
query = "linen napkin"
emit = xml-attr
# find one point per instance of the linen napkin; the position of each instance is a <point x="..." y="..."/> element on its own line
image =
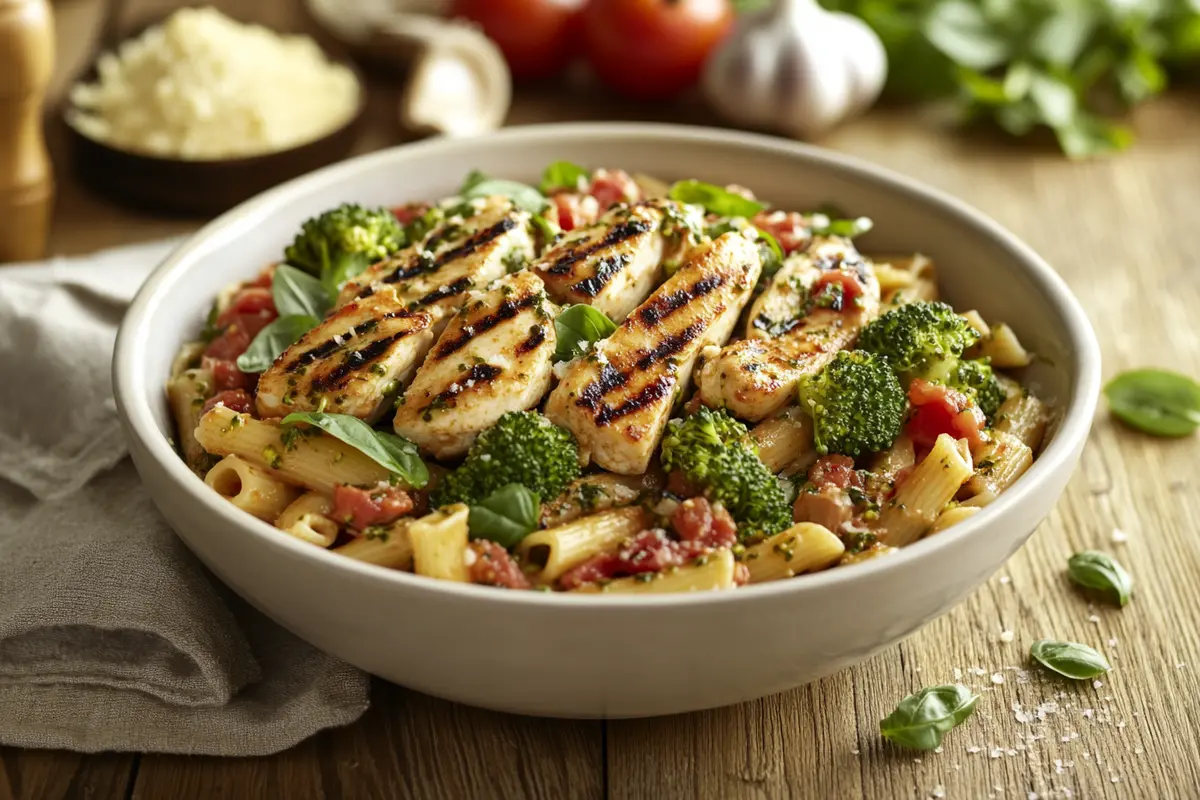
<point x="112" y="635"/>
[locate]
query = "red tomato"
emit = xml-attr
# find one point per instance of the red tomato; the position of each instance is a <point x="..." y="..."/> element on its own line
<point x="789" y="228"/>
<point x="610" y="187"/>
<point x="652" y="48"/>
<point x="534" y="35"/>
<point x="226" y="375"/>
<point x="239" y="331"/>
<point x="233" y="399"/>
<point x="938" y="410"/>
<point x="362" y="508"/>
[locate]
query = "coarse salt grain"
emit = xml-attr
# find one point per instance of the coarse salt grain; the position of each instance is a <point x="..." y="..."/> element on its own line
<point x="1097" y="684"/>
<point x="997" y="678"/>
<point x="1005" y="579"/>
<point x="1095" y="620"/>
<point x="1119" y="536"/>
<point x="1006" y="636"/>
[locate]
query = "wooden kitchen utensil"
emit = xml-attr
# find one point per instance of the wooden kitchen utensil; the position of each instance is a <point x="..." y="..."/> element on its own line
<point x="26" y="179"/>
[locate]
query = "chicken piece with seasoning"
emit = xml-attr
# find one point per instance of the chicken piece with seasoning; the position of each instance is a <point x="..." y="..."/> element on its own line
<point x="495" y="356"/>
<point x="464" y="252"/>
<point x="814" y="306"/>
<point x="617" y="400"/>
<point x="351" y="363"/>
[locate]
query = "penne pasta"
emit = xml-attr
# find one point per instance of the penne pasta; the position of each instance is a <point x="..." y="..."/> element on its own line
<point x="874" y="551"/>
<point x="308" y="519"/>
<point x="1001" y="461"/>
<point x="923" y="495"/>
<point x="804" y="547"/>
<point x="439" y="544"/>
<point x="785" y="442"/>
<point x="1024" y="417"/>
<point x="900" y="455"/>
<point x="307" y="457"/>
<point x="187" y="358"/>
<point x="892" y="279"/>
<point x="1004" y="349"/>
<point x="553" y="551"/>
<point x="711" y="572"/>
<point x="976" y="321"/>
<point x="391" y="547"/>
<point x="186" y="394"/>
<point x="250" y="488"/>
<point x="953" y="516"/>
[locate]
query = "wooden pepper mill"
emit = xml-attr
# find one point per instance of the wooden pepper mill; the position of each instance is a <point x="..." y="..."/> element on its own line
<point x="26" y="180"/>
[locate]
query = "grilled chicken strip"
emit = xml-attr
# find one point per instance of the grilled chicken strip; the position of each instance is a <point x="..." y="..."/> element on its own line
<point x="815" y="306"/>
<point x="461" y="254"/>
<point x="614" y="264"/>
<point x="495" y="356"/>
<point x="617" y="400"/>
<point x="353" y="362"/>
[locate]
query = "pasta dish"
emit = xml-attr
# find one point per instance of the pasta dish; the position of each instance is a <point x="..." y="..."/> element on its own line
<point x="604" y="383"/>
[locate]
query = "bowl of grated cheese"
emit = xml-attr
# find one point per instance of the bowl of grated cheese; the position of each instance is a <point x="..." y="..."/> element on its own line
<point x="200" y="112"/>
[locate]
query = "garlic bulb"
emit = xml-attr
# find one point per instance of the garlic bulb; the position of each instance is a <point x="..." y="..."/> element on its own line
<point x="797" y="68"/>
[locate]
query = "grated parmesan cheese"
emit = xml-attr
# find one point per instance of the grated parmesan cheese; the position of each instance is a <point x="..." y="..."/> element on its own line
<point x="202" y="86"/>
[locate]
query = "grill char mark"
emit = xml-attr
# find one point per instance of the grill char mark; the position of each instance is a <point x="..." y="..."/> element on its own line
<point x="504" y="312"/>
<point x="330" y="346"/>
<point x="609" y="380"/>
<point x="617" y="234"/>
<point x="480" y="374"/>
<point x="654" y="391"/>
<point x="442" y="292"/>
<point x="537" y="335"/>
<point x="606" y="270"/>
<point x="667" y="305"/>
<point x="477" y="240"/>
<point x="357" y="360"/>
<point x="670" y="345"/>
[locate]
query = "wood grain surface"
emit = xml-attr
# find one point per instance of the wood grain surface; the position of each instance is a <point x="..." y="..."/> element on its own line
<point x="1125" y="234"/>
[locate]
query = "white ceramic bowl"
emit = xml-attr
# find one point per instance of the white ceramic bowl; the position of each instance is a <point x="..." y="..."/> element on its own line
<point x="591" y="656"/>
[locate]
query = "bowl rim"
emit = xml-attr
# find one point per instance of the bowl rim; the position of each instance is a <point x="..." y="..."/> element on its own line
<point x="1075" y="421"/>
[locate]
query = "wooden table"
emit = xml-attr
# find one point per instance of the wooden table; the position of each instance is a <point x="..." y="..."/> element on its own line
<point x="1124" y="234"/>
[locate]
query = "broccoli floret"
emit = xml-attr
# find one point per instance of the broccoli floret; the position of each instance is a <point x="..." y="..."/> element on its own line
<point x="975" y="378"/>
<point x="714" y="452"/>
<point x="920" y="340"/>
<point x="350" y="230"/>
<point x="856" y="403"/>
<point x="522" y="447"/>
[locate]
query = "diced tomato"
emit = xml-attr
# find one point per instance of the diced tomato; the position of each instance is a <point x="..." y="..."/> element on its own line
<point x="238" y="334"/>
<point x="697" y="520"/>
<point x="851" y="287"/>
<point x="361" y="508"/>
<point x="938" y="409"/>
<point x="575" y="210"/>
<point x="834" y="470"/>
<point x="234" y="399"/>
<point x="789" y="228"/>
<point x="226" y="375"/>
<point x="651" y="550"/>
<point x="408" y="212"/>
<point x="252" y="301"/>
<point x="493" y="566"/>
<point x="266" y="277"/>
<point x="610" y="187"/>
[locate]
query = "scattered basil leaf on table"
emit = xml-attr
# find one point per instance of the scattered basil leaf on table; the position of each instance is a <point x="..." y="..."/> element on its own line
<point x="272" y="340"/>
<point x="1099" y="571"/>
<point x="477" y="185"/>
<point x="580" y="324"/>
<point x="823" y="225"/>
<point x="1155" y="401"/>
<point x="923" y="718"/>
<point x="394" y="453"/>
<point x="506" y="516"/>
<point x="296" y="293"/>
<point x="714" y="199"/>
<point x="1071" y="659"/>
<point x="563" y="175"/>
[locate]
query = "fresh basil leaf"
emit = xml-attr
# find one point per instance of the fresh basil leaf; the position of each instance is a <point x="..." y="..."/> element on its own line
<point x="1054" y="99"/>
<point x="473" y="179"/>
<point x="714" y="199"/>
<point x="272" y="340"/>
<point x="580" y="324"/>
<point x="345" y="268"/>
<point x="1155" y="401"/>
<point x="296" y="293"/>
<point x="394" y="453"/>
<point x="923" y="718"/>
<point x="522" y="195"/>
<point x="1071" y="659"/>
<point x="563" y="175"/>
<point x="849" y="228"/>
<point x="549" y="231"/>
<point x="1061" y="38"/>
<point x="772" y="253"/>
<point x="506" y="516"/>
<point x="1099" y="571"/>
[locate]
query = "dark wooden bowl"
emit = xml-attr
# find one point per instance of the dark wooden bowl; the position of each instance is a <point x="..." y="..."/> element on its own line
<point x="201" y="188"/>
